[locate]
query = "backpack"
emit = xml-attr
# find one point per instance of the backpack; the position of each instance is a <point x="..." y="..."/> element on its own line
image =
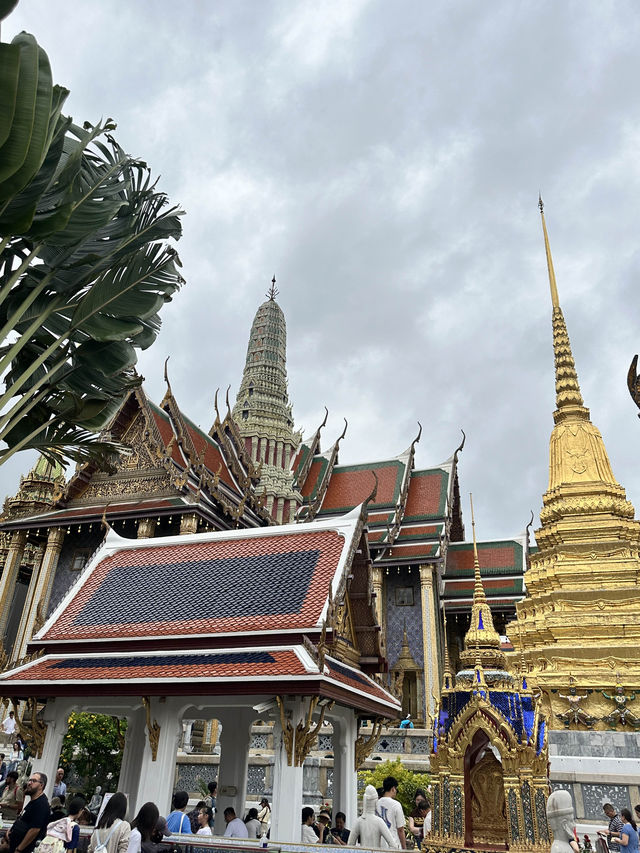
<point x="51" y="844"/>
<point x="101" y="846"/>
<point x="57" y="833"/>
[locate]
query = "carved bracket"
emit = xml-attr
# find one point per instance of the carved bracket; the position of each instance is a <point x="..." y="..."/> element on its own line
<point x="299" y="741"/>
<point x="365" y="745"/>
<point x="153" y="729"/>
<point x="32" y="727"/>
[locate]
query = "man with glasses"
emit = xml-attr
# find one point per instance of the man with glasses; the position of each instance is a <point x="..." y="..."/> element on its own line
<point x="31" y="825"/>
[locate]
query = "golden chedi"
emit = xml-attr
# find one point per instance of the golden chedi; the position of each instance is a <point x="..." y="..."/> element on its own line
<point x="579" y="625"/>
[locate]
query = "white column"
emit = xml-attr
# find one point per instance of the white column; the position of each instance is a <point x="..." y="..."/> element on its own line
<point x="286" y="814"/>
<point x="234" y="759"/>
<point x="56" y="716"/>
<point x="154" y="782"/>
<point x="345" y="780"/>
<point x="134" y="745"/>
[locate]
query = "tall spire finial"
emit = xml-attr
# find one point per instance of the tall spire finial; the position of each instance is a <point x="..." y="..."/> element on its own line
<point x="273" y="290"/>
<point x="552" y="276"/>
<point x="478" y="589"/>
<point x="446" y="675"/>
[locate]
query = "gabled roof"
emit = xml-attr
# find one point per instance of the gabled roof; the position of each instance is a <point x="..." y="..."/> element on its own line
<point x="350" y="485"/>
<point x="428" y="492"/>
<point x="273" y="579"/>
<point x="502" y="566"/>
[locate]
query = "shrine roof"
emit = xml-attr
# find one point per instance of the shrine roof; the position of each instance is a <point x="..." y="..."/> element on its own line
<point x="251" y="670"/>
<point x="428" y="490"/>
<point x="463" y="605"/>
<point x="399" y="551"/>
<point x="135" y="507"/>
<point x="500" y="557"/>
<point x="414" y="532"/>
<point x="350" y="485"/>
<point x="163" y="422"/>
<point x="252" y="581"/>
<point x="494" y="588"/>
<point x="213" y="458"/>
<point x="309" y="489"/>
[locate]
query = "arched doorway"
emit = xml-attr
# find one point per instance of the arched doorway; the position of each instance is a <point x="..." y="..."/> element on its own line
<point x="485" y="811"/>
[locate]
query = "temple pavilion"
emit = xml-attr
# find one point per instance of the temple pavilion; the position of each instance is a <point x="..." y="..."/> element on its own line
<point x="276" y="623"/>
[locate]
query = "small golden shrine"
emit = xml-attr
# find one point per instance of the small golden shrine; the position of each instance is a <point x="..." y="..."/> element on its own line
<point x="489" y="755"/>
<point x="578" y="628"/>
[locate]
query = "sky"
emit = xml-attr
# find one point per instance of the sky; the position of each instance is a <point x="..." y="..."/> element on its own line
<point x="384" y="161"/>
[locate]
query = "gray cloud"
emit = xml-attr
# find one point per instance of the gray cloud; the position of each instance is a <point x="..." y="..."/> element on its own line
<point x="384" y="160"/>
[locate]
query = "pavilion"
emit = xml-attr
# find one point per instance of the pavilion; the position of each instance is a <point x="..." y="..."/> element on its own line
<point x="269" y="623"/>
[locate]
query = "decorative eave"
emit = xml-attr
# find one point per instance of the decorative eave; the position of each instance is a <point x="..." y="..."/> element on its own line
<point x="313" y="507"/>
<point x="313" y="447"/>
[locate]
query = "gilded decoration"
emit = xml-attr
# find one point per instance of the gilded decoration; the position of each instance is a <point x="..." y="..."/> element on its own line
<point x="153" y="729"/>
<point x="365" y="745"/>
<point x="299" y="740"/>
<point x="579" y="624"/>
<point x="31" y="725"/>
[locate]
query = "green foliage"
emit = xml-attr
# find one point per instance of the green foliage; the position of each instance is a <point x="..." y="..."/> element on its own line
<point x="84" y="267"/>
<point x="91" y="749"/>
<point x="408" y="781"/>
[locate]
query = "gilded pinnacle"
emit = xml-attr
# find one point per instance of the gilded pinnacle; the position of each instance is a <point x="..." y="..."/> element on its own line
<point x="478" y="589"/>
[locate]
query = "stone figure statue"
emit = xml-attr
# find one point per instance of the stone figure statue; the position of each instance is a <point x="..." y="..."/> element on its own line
<point x="562" y="822"/>
<point x="574" y="713"/>
<point x="369" y="828"/>
<point x="96" y="801"/>
<point x="488" y="809"/>
<point x="621" y="713"/>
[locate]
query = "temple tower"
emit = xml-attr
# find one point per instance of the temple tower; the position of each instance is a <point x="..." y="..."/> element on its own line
<point x="579" y="625"/>
<point x="262" y="410"/>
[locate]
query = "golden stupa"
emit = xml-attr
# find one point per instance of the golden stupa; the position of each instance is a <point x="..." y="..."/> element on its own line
<point x="578" y="628"/>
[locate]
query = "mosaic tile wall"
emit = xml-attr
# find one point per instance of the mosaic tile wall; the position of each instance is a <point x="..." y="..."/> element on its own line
<point x="399" y="616"/>
<point x="65" y="576"/>
<point x="390" y="744"/>
<point x="256" y="779"/>
<point x="259" y="741"/>
<point x="188" y="775"/>
<point x="593" y="797"/>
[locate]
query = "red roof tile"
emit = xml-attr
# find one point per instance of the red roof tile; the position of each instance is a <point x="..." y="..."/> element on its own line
<point x="494" y="557"/>
<point x="249" y="583"/>
<point x="310" y="485"/>
<point x="427" y="494"/>
<point x="166" y="432"/>
<point x="213" y="458"/>
<point x="357" y="680"/>
<point x="350" y="486"/>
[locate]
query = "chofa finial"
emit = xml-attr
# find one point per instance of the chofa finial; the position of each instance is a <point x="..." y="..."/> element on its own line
<point x="273" y="290"/>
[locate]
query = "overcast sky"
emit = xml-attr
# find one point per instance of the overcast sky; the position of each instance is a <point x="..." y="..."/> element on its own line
<point x="384" y="159"/>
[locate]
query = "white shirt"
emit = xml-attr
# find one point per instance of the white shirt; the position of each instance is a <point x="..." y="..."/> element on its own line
<point x="135" y="842"/>
<point x="392" y="814"/>
<point x="204" y="830"/>
<point x="9" y="725"/>
<point x="308" y="835"/>
<point x="236" y="829"/>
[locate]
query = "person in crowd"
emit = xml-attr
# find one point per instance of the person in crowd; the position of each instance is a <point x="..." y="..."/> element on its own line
<point x="308" y="835"/>
<point x="418" y="819"/>
<point x="251" y="821"/>
<point x="12" y="798"/>
<point x="58" y="811"/>
<point x="391" y="811"/>
<point x="340" y="832"/>
<point x="211" y="799"/>
<point x="85" y="818"/>
<point x="370" y="830"/>
<point x="628" y="833"/>
<point x="31" y="826"/>
<point x="112" y="830"/>
<point x="9" y="726"/>
<point x="193" y="816"/>
<point x="96" y="801"/>
<point x="178" y="822"/>
<point x="613" y="830"/>
<point x="3" y="767"/>
<point x="60" y="787"/>
<point x="324" y="827"/>
<point x="264" y="816"/>
<point x="205" y="821"/>
<point x="15" y="756"/>
<point x="143" y="828"/>
<point x="65" y="828"/>
<point x="235" y="826"/>
<point x="406" y="723"/>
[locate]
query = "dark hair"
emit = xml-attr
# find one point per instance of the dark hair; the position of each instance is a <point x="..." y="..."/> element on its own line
<point x="212" y="786"/>
<point x="12" y="774"/>
<point x="229" y="811"/>
<point x="180" y="799"/>
<point x="145" y="821"/>
<point x="607" y="806"/>
<point x="342" y="815"/>
<point x="388" y="783"/>
<point x="209" y="812"/>
<point x="626" y="814"/>
<point x="265" y="800"/>
<point x="199" y="805"/>
<point x="43" y="778"/>
<point x="252" y="814"/>
<point x="76" y="804"/>
<point x="1" y="755"/>
<point x="637" y="808"/>
<point x="307" y="811"/>
<point x="420" y="793"/>
<point x="115" y="809"/>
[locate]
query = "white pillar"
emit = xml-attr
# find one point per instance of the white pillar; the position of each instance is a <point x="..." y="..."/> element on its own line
<point x="234" y="759"/>
<point x="154" y="782"/>
<point x="345" y="779"/>
<point x="56" y="716"/>
<point x="286" y="813"/>
<point x="134" y="745"/>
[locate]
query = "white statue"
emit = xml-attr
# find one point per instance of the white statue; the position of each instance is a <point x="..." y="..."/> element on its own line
<point x="369" y="828"/>
<point x="96" y="801"/>
<point x="562" y="822"/>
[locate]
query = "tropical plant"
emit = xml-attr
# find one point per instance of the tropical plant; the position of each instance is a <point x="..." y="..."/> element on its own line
<point x="91" y="751"/>
<point x="84" y="266"/>
<point x="408" y="781"/>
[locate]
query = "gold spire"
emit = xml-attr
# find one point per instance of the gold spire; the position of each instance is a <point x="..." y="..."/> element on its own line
<point x="481" y="639"/>
<point x="447" y="679"/>
<point x="552" y="276"/>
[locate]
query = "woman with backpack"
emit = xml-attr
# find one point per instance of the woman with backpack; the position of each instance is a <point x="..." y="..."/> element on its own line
<point x="112" y="831"/>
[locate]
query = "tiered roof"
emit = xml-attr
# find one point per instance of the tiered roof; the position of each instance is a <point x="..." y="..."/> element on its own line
<point x="134" y="620"/>
<point x="502" y="565"/>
